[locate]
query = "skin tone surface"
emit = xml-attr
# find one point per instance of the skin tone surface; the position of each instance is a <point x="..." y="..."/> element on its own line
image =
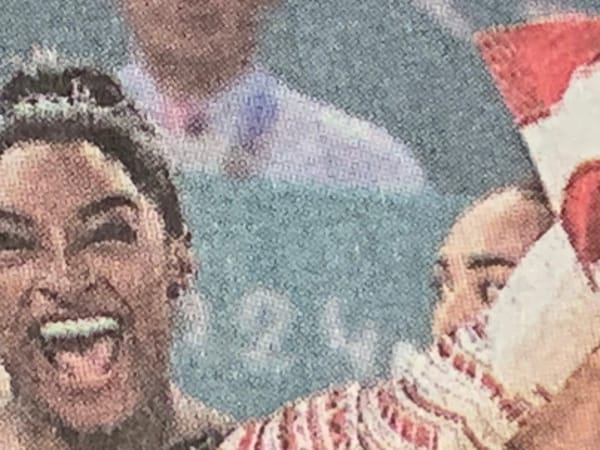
<point x="79" y="241"/>
<point x="571" y="421"/>
<point x="194" y="48"/>
<point x="481" y="251"/>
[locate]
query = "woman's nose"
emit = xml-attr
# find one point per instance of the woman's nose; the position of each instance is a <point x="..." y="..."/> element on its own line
<point x="60" y="282"/>
<point x="443" y="311"/>
<point x="55" y="276"/>
<point x="52" y="286"/>
<point x="58" y="271"/>
<point x="456" y="307"/>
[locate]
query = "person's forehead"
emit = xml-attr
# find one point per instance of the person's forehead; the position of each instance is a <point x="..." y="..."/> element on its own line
<point x="58" y="177"/>
<point x="494" y="225"/>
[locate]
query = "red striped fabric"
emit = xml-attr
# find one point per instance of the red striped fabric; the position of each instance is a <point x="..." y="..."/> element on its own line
<point x="445" y="399"/>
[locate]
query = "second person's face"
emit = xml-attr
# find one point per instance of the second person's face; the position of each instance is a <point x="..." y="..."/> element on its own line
<point x="480" y="253"/>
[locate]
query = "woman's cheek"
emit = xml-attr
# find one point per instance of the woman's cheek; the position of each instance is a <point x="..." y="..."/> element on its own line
<point x="15" y="281"/>
<point x="15" y="284"/>
<point x="130" y="272"/>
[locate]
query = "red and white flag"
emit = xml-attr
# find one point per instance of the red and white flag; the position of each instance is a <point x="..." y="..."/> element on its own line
<point x="548" y="317"/>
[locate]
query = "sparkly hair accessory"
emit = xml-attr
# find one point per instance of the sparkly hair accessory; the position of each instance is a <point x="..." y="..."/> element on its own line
<point x="82" y="108"/>
<point x="84" y="97"/>
<point x="46" y="60"/>
<point x="53" y="104"/>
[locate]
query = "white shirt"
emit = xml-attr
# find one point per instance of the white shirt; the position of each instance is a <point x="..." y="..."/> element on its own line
<point x="298" y="138"/>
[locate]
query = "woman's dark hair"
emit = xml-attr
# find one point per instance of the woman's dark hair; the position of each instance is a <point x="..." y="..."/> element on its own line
<point x="84" y="104"/>
<point x="533" y="189"/>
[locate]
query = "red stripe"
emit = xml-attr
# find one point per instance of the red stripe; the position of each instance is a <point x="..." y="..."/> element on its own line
<point x="423" y="437"/>
<point x="479" y="328"/>
<point x="488" y="381"/>
<point x="408" y="428"/>
<point x="471" y="369"/>
<point x="514" y="408"/>
<point x="336" y="422"/>
<point x="259" y="436"/>
<point x="246" y="440"/>
<point x="287" y="436"/>
<point x="444" y="348"/>
<point x="459" y="362"/>
<point x="403" y="422"/>
<point x="366" y="433"/>
<point x="411" y="393"/>
<point x="546" y="395"/>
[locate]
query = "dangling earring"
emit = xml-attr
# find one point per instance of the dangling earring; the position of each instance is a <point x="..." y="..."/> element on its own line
<point x="174" y="290"/>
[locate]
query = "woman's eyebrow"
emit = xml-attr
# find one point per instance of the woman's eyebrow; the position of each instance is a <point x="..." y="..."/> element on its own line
<point x="489" y="260"/>
<point x="16" y="218"/>
<point x="106" y="203"/>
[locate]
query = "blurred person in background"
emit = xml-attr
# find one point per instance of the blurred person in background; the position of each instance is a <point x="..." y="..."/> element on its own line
<point x="194" y="71"/>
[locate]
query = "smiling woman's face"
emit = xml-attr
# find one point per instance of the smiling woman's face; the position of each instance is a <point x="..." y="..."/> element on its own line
<point x="84" y="320"/>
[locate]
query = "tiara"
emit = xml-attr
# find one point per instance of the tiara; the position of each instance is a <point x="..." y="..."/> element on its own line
<point x="47" y="59"/>
<point x="38" y="103"/>
<point x="77" y="105"/>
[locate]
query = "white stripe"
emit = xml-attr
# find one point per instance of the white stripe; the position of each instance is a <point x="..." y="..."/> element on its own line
<point x="270" y="437"/>
<point x="79" y="327"/>
<point x="301" y="427"/>
<point x="376" y="426"/>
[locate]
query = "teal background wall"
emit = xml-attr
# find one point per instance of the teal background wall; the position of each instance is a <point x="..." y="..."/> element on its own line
<point x="304" y="286"/>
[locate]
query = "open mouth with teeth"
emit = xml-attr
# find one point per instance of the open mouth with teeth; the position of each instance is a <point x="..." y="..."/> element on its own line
<point x="84" y="350"/>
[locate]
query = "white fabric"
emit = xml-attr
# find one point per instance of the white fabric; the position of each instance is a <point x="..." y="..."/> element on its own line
<point x="309" y="141"/>
<point x="570" y="136"/>
<point x="546" y="320"/>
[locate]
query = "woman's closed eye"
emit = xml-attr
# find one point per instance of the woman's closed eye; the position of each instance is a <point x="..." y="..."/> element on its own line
<point x="113" y="231"/>
<point x="12" y="241"/>
<point x="489" y="291"/>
